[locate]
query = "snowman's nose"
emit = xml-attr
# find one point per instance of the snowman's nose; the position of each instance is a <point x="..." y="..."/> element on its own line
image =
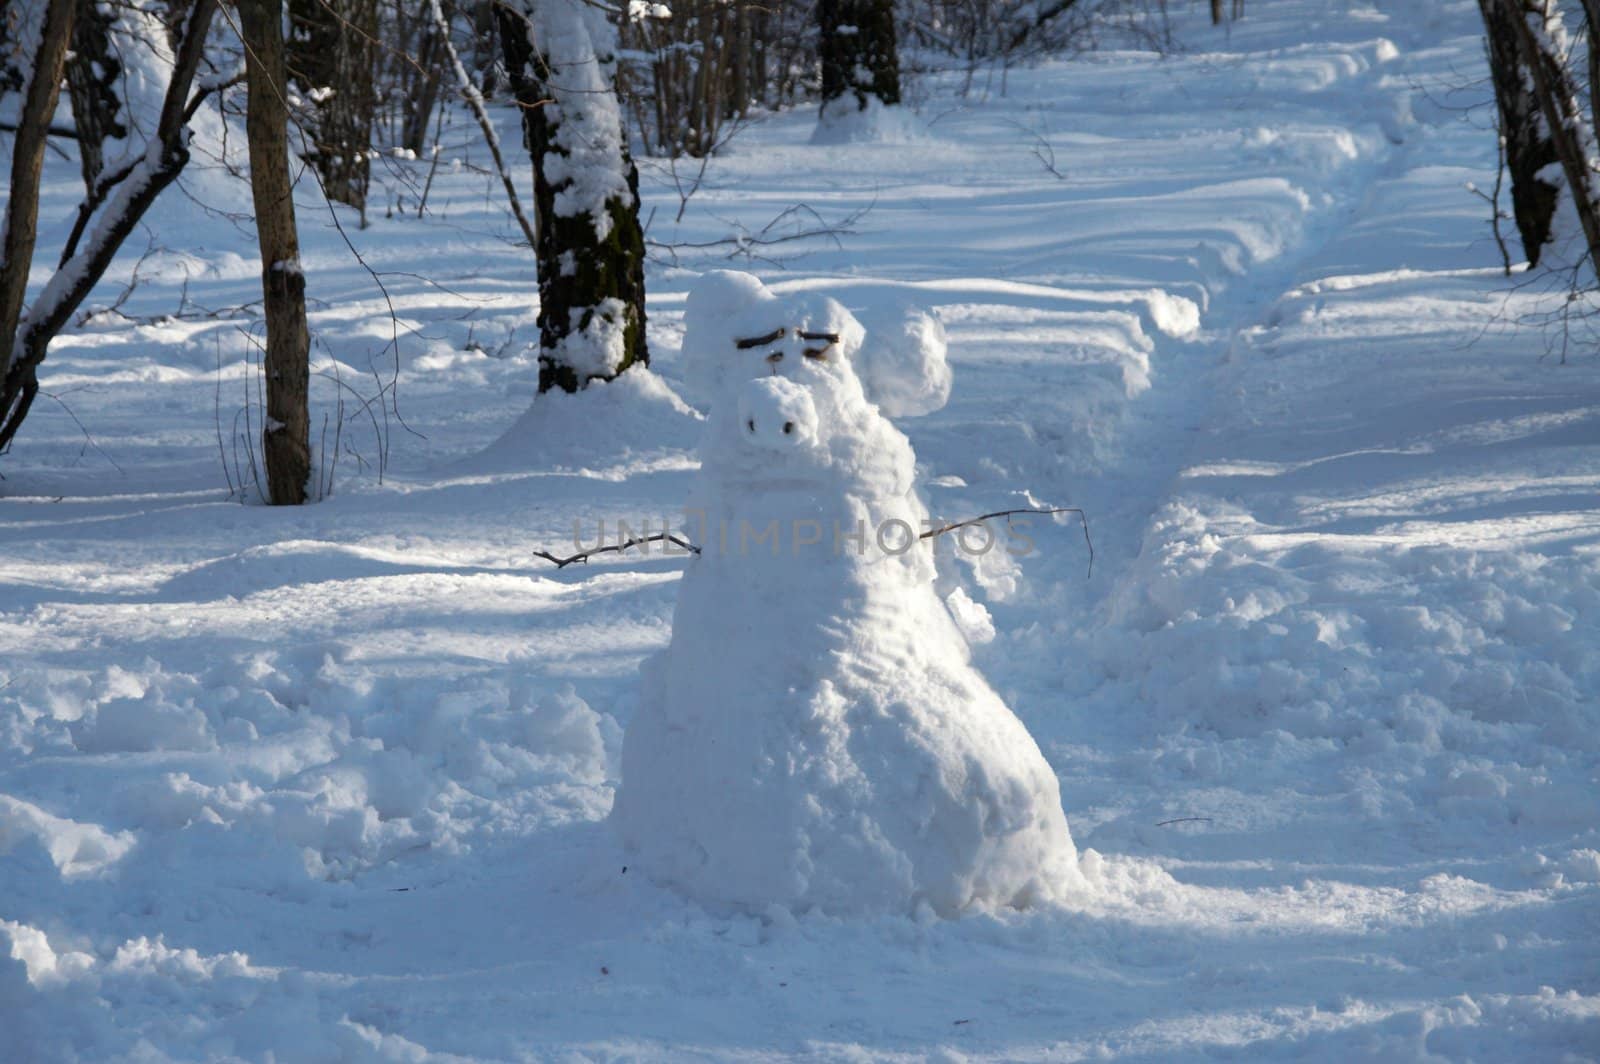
<point x="777" y="414"/>
<point x="775" y="432"/>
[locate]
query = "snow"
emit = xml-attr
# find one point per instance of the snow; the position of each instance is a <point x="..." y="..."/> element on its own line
<point x="333" y="783"/>
<point x="578" y="44"/>
<point x="597" y="343"/>
<point x="848" y="119"/>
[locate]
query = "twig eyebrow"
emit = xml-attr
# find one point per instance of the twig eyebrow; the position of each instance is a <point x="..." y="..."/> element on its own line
<point x="758" y="341"/>
<point x="778" y="334"/>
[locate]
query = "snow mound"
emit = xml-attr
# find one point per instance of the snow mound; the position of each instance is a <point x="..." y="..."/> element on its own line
<point x="815" y="737"/>
<point x="904" y="370"/>
<point x="76" y="849"/>
<point x="844" y="121"/>
<point x="634" y="421"/>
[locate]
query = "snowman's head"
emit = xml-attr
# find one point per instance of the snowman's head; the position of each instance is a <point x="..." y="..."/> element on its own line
<point x="786" y="399"/>
<point x="737" y="329"/>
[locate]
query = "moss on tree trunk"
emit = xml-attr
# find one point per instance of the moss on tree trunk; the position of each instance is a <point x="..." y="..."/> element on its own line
<point x="579" y="270"/>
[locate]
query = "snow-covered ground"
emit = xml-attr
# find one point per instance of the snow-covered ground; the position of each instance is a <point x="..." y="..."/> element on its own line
<point x="331" y="783"/>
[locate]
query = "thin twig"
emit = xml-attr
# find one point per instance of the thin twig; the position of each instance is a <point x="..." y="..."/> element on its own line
<point x="1083" y="517"/>
<point x="474" y="98"/>
<point x="668" y="537"/>
<point x="88" y="439"/>
<point x="583" y="556"/>
<point x="216" y="412"/>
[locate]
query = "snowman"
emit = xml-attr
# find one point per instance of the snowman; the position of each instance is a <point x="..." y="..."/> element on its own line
<point x="815" y="736"/>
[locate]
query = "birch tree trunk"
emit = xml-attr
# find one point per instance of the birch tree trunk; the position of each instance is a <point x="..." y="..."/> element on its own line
<point x="1542" y="36"/>
<point x="285" y="439"/>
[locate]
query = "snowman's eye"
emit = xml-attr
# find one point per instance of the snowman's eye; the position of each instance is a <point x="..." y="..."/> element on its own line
<point x="818" y="353"/>
<point x="788" y="427"/>
<point x="751" y="424"/>
<point x="775" y="357"/>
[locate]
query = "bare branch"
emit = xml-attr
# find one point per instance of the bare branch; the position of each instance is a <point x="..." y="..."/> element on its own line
<point x="614" y="548"/>
<point x="668" y="537"/>
<point x="1083" y="517"/>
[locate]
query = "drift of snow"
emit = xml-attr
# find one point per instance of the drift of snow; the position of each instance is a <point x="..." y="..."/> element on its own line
<point x="815" y="736"/>
<point x="848" y="120"/>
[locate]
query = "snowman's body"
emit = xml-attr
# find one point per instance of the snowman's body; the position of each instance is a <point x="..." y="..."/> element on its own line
<point x="815" y="735"/>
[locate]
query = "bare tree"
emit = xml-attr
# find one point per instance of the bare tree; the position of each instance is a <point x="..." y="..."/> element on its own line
<point x="857" y="49"/>
<point x="474" y="100"/>
<point x="1542" y="38"/>
<point x="332" y="49"/>
<point x="561" y="58"/>
<point x="1521" y="126"/>
<point x="108" y="214"/>
<point x="1591" y="21"/>
<point x="1217" y="10"/>
<point x="420" y="61"/>
<point x="93" y="70"/>
<point x="45" y="31"/>
<point x="286" y="435"/>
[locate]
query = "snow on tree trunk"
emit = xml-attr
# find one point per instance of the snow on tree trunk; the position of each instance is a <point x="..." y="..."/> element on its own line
<point x="114" y="206"/>
<point x="1528" y="147"/>
<point x="561" y="57"/>
<point x="43" y="32"/>
<point x="285" y="440"/>
<point x="859" y="63"/>
<point x="1542" y="35"/>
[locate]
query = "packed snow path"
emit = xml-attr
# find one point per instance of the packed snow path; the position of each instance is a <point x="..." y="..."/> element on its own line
<point x="330" y="783"/>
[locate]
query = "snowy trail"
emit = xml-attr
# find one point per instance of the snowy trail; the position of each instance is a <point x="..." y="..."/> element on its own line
<point x="331" y="784"/>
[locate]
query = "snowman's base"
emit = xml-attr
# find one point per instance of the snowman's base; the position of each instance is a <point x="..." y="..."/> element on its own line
<point x="846" y="802"/>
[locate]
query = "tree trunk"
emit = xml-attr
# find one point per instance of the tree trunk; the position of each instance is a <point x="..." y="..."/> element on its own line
<point x="1528" y="147"/>
<point x="425" y="76"/>
<point x="285" y="440"/>
<point x="1591" y="28"/>
<point x="120" y="199"/>
<point x="47" y="39"/>
<point x="94" y="71"/>
<point x="331" y="56"/>
<point x="857" y="48"/>
<point x="586" y="191"/>
<point x="1544" y="54"/>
